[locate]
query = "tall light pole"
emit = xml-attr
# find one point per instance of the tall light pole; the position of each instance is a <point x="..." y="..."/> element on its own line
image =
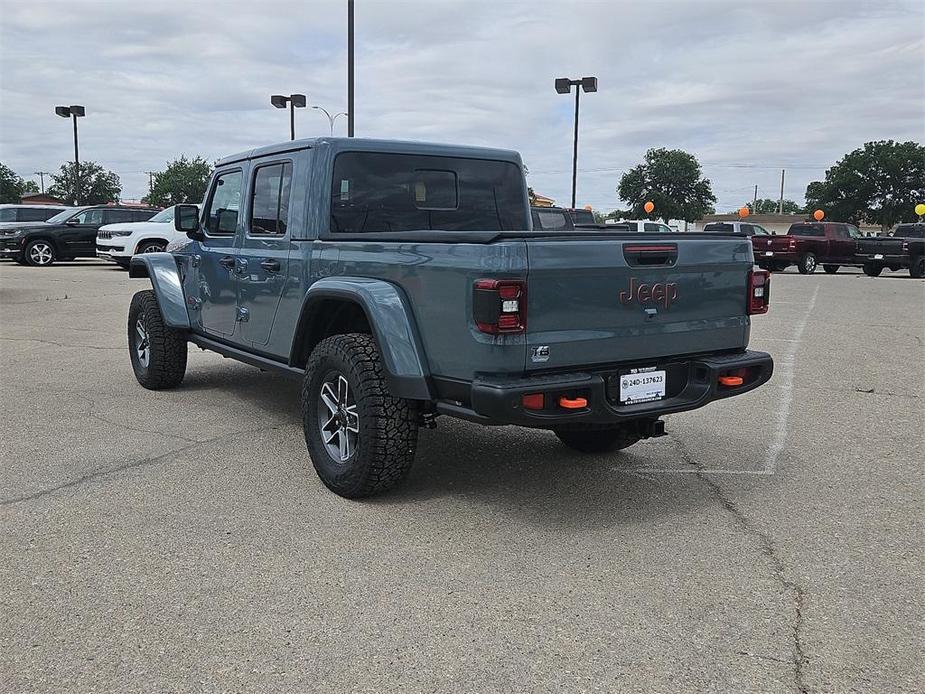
<point x="350" y="108"/>
<point x="295" y="101"/>
<point x="74" y="112"/>
<point x="331" y="118"/>
<point x="564" y="86"/>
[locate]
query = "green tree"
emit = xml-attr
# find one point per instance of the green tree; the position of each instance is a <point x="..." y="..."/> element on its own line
<point x="30" y="187"/>
<point x="881" y="182"/>
<point x="184" y="180"/>
<point x="769" y="206"/>
<point x="670" y="178"/>
<point x="97" y="185"/>
<point x="11" y="185"/>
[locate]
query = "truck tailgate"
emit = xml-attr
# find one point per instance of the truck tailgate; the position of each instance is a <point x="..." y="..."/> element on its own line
<point x="621" y="300"/>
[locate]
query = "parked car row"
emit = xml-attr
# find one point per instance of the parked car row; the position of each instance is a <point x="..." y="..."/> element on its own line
<point x="112" y="232"/>
<point x="834" y="245"/>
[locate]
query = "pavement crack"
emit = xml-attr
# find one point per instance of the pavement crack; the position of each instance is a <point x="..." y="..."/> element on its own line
<point x="767" y="547"/>
<point x="110" y="471"/>
<point x="52" y="342"/>
<point x="92" y="413"/>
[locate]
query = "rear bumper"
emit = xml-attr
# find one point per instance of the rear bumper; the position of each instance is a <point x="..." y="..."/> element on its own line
<point x="500" y="402"/>
<point x="776" y="256"/>
<point x="892" y="259"/>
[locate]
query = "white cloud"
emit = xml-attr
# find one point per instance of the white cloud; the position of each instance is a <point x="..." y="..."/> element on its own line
<point x="749" y="87"/>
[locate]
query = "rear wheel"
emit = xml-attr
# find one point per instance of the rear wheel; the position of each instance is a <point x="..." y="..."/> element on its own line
<point x="807" y="264"/>
<point x="158" y="352"/>
<point x="872" y="269"/>
<point x="360" y="437"/>
<point x="917" y="269"/>
<point x="40" y="253"/>
<point x="831" y="269"/>
<point x="598" y="440"/>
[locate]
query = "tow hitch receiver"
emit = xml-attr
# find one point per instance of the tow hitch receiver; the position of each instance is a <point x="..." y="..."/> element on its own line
<point x="651" y="428"/>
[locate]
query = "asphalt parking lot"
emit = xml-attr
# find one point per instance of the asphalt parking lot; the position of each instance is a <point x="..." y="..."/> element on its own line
<point x="180" y="541"/>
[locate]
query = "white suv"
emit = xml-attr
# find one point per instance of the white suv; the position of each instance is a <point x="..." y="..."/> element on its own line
<point x="640" y="225"/>
<point x="119" y="242"/>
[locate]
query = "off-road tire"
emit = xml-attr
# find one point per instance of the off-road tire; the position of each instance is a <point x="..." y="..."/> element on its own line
<point x="166" y="347"/>
<point x="807" y="264"/>
<point x="388" y="426"/>
<point x="591" y="439"/>
<point x="872" y="269"/>
<point x="36" y="251"/>
<point x="917" y="269"/>
<point x="831" y="269"/>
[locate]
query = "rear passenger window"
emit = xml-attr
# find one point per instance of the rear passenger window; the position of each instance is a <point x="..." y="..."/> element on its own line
<point x="270" y="202"/>
<point x="651" y="227"/>
<point x="224" y="205"/>
<point x="31" y="215"/>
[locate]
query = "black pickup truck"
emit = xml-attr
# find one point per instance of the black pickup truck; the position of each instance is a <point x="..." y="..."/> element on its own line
<point x="904" y="247"/>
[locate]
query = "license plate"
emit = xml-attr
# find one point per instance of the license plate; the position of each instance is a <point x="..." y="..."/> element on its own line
<point x="769" y="252"/>
<point x="878" y="256"/>
<point x="642" y="385"/>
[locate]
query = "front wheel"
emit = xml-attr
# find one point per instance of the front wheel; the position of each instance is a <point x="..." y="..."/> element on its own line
<point x="592" y="440"/>
<point x="158" y="352"/>
<point x="872" y="269"/>
<point x="917" y="269"/>
<point x="807" y="264"/>
<point x="40" y="253"/>
<point x="360" y="437"/>
<point x="152" y="247"/>
<point x="831" y="269"/>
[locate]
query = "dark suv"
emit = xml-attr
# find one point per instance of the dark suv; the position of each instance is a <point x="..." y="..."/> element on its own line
<point x="68" y="235"/>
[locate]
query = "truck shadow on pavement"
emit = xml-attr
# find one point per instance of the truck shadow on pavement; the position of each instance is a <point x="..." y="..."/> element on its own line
<point x="527" y="474"/>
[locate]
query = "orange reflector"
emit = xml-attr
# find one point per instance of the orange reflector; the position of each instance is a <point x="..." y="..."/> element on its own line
<point x="731" y="380"/>
<point x="534" y="401"/>
<point x="572" y="403"/>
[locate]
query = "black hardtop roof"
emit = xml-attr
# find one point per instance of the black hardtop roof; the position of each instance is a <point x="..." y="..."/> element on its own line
<point x="358" y="144"/>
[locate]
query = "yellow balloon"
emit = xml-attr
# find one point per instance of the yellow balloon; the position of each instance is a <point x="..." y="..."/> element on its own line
<point x="920" y="210"/>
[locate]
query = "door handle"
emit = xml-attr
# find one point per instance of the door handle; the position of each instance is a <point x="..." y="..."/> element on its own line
<point x="226" y="262"/>
<point x="270" y="265"/>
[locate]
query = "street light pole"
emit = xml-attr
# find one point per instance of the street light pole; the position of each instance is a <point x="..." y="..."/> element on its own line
<point x="331" y="118"/>
<point x="350" y="108"/>
<point x="294" y="101"/>
<point x="74" y="112"/>
<point x="564" y="86"/>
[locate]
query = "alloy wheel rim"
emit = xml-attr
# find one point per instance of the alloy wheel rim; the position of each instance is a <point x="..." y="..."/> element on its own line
<point x="40" y="253"/>
<point x="142" y="343"/>
<point x="810" y="263"/>
<point x="153" y="248"/>
<point x="338" y="420"/>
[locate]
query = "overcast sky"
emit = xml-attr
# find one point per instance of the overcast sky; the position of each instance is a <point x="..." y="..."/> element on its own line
<point x="748" y="87"/>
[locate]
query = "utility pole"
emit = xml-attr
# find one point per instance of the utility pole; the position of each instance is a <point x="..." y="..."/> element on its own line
<point x="780" y="205"/>
<point x="150" y="181"/>
<point x="42" y="175"/>
<point x="350" y="108"/>
<point x="755" y="201"/>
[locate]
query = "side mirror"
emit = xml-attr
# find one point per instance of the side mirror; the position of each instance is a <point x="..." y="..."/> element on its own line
<point x="186" y="220"/>
<point x="72" y="222"/>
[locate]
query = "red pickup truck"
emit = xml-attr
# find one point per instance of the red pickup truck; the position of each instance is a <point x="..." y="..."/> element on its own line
<point x="807" y="245"/>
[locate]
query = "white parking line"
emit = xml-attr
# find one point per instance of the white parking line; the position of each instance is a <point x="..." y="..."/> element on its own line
<point x="784" y="368"/>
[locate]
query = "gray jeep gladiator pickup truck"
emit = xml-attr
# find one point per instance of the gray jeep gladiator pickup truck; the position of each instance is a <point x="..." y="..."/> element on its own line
<point x="402" y="281"/>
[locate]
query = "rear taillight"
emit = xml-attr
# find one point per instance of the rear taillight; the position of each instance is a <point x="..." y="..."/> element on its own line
<point x="792" y="243"/>
<point x="905" y="246"/>
<point x="500" y="306"/>
<point x="759" y="287"/>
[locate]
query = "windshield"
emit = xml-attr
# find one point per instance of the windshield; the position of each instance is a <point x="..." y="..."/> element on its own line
<point x="62" y="217"/>
<point x="164" y="216"/>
